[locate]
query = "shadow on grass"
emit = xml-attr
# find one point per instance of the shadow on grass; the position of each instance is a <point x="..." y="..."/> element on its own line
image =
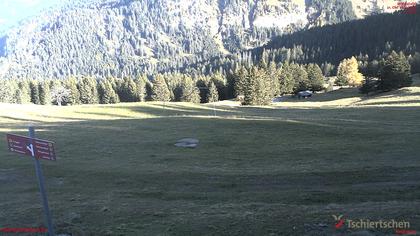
<point x="393" y="102"/>
<point x="345" y="93"/>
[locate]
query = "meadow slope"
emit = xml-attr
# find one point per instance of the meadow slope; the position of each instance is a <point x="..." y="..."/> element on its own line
<point x="278" y="170"/>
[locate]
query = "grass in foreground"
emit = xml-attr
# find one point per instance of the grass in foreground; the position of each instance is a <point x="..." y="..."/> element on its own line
<point x="257" y="171"/>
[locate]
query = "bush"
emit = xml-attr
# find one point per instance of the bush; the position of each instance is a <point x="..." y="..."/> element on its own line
<point x="369" y="85"/>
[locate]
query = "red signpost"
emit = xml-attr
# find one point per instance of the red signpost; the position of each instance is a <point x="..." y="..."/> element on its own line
<point x="38" y="148"/>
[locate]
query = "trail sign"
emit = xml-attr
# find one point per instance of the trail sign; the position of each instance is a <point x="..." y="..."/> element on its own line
<point x="38" y="148"/>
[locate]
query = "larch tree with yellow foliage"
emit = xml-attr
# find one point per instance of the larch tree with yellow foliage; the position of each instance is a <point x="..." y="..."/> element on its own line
<point x="348" y="73"/>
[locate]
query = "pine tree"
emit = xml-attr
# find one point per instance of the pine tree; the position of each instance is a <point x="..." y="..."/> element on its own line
<point x="141" y="88"/>
<point x="327" y="69"/>
<point x="44" y="93"/>
<point x="189" y="92"/>
<point x="202" y="84"/>
<point x="74" y="96"/>
<point x="34" y="92"/>
<point x="221" y="83"/>
<point x="300" y="77"/>
<point x="395" y="73"/>
<point x="258" y="90"/>
<point x="23" y="92"/>
<point x="88" y="91"/>
<point x="7" y="89"/>
<point x="240" y="81"/>
<point x="286" y="79"/>
<point x="107" y="94"/>
<point x="415" y="63"/>
<point x="315" y="77"/>
<point x="128" y="91"/>
<point x="212" y="95"/>
<point x="160" y="90"/>
<point x="274" y="76"/>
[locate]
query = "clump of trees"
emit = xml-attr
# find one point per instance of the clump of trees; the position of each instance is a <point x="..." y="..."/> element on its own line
<point x="394" y="73"/>
<point x="260" y="84"/>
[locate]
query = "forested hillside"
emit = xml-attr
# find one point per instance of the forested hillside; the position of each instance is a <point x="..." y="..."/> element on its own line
<point x="369" y="39"/>
<point x="127" y="37"/>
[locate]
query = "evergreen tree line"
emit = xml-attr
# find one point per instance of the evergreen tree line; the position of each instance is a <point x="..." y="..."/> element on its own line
<point x="88" y="90"/>
<point x="255" y="85"/>
<point x="176" y="87"/>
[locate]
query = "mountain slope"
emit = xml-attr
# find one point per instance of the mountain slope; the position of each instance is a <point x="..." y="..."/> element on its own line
<point x="128" y="37"/>
<point x="370" y="39"/>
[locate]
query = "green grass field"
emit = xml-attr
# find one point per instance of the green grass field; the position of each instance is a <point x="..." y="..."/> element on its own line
<point x="278" y="170"/>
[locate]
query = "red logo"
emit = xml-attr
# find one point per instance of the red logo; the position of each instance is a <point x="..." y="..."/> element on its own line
<point x="339" y="221"/>
<point x="405" y="232"/>
<point x="24" y="230"/>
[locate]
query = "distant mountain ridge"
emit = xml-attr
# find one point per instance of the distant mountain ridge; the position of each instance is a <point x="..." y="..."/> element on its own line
<point x="128" y="37"/>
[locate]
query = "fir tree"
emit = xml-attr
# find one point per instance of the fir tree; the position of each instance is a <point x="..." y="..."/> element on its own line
<point x="7" y="91"/>
<point x="240" y="81"/>
<point x="189" y="92"/>
<point x="23" y="92"/>
<point x="258" y="90"/>
<point x="315" y="77"/>
<point x="160" y="89"/>
<point x="74" y="96"/>
<point x="141" y="88"/>
<point x="33" y="85"/>
<point x="286" y="79"/>
<point x="395" y="73"/>
<point x="212" y="95"/>
<point x="274" y="76"/>
<point x="300" y="77"/>
<point x="107" y="94"/>
<point x="221" y="83"/>
<point x="88" y="91"/>
<point x="44" y="93"/>
<point x="128" y="91"/>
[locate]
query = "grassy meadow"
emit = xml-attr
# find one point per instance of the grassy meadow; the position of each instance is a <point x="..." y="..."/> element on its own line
<point x="277" y="170"/>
